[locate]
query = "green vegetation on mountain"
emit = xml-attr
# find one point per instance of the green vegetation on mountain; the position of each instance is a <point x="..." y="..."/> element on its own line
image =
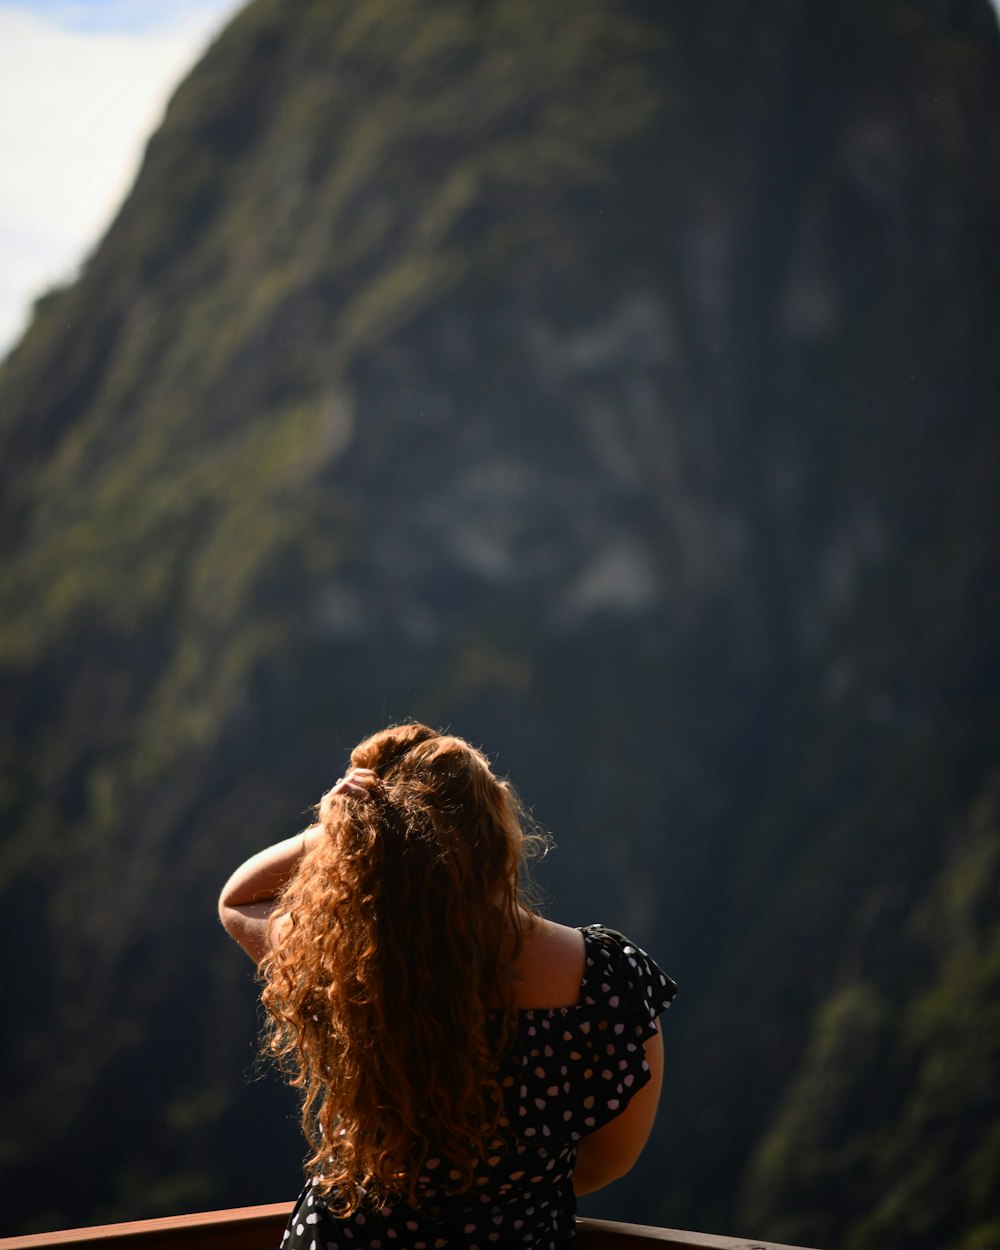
<point x="897" y="1088"/>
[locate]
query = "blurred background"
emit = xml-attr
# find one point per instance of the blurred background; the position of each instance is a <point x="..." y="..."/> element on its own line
<point x="616" y="383"/>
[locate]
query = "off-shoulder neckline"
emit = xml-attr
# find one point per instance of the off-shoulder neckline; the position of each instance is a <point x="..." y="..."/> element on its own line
<point x="591" y="935"/>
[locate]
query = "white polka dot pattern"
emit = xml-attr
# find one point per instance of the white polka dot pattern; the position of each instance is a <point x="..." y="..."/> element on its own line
<point x="569" y="1071"/>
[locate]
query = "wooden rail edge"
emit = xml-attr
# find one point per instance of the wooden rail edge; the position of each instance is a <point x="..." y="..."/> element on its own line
<point x="260" y="1228"/>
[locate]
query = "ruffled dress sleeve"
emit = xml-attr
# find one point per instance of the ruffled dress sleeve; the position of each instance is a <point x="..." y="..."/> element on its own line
<point x="622" y="993"/>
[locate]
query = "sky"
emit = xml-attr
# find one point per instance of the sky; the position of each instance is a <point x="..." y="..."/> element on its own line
<point x="83" y="84"/>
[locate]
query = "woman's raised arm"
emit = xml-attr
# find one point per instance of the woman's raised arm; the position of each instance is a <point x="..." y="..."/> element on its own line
<point x="247" y="901"/>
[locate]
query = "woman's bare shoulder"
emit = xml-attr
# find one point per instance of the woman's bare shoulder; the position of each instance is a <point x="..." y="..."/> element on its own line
<point x="550" y="967"/>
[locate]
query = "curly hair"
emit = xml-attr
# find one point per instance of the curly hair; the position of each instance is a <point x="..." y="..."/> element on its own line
<point x="389" y="992"/>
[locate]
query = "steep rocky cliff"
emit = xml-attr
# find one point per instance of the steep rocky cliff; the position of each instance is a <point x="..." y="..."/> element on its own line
<point x="616" y="383"/>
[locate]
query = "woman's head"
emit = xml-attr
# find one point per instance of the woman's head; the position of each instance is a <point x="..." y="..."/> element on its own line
<point x="405" y="919"/>
<point x="436" y="821"/>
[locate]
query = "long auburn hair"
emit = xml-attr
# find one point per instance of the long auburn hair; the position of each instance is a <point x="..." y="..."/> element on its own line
<point x="389" y="993"/>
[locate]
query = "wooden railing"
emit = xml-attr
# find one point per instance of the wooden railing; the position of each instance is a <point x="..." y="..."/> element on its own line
<point x="260" y="1228"/>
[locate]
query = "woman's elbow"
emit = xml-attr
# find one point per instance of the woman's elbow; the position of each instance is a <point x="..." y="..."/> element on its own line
<point x="588" y="1179"/>
<point x="249" y="925"/>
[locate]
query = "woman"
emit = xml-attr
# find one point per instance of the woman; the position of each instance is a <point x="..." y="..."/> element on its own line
<point x="466" y="1067"/>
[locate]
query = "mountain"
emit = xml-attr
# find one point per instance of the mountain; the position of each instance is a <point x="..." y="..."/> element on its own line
<point x="617" y="384"/>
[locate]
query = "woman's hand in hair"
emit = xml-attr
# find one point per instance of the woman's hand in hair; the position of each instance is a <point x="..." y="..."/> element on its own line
<point x="356" y="783"/>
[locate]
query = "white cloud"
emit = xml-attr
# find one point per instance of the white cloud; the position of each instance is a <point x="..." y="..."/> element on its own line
<point x="82" y="86"/>
<point x="120" y="16"/>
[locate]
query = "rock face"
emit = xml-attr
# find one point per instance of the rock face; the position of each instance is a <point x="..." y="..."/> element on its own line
<point x="617" y="384"/>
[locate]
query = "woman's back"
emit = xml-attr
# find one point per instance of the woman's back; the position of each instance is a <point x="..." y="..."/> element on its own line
<point x="549" y="968"/>
<point x="573" y="1069"/>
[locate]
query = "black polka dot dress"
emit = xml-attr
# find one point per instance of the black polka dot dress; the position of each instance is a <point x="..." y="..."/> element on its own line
<point x="570" y="1071"/>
